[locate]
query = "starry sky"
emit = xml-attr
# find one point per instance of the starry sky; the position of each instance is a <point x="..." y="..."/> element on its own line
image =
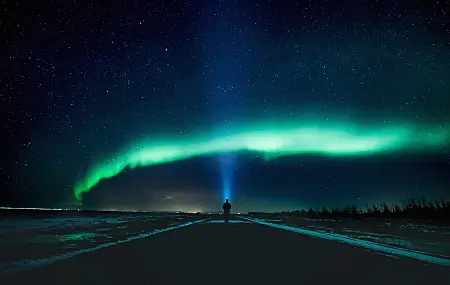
<point x="177" y="105"/>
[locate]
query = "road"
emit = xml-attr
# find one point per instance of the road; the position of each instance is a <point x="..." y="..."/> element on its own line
<point x="236" y="253"/>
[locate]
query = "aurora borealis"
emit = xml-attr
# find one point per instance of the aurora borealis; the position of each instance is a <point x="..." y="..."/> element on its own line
<point x="179" y="105"/>
<point x="272" y="143"/>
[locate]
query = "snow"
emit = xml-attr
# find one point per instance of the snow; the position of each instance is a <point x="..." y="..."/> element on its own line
<point x="423" y="256"/>
<point x="31" y="263"/>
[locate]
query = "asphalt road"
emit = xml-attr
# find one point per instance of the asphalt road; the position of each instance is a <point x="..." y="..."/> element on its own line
<point x="236" y="253"/>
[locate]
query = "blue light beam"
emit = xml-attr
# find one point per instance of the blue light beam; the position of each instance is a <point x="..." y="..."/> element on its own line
<point x="226" y="165"/>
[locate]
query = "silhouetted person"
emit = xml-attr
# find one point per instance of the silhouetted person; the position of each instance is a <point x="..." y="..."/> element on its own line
<point x="226" y="210"/>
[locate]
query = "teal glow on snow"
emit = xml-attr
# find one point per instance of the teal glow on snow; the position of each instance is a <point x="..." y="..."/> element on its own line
<point x="19" y="266"/>
<point x="271" y="141"/>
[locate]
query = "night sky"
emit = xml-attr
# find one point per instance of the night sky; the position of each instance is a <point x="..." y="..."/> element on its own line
<point x="177" y="105"/>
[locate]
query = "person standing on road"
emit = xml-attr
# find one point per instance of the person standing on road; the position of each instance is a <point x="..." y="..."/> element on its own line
<point x="226" y="210"/>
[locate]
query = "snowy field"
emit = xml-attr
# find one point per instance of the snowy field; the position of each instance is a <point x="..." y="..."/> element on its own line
<point x="33" y="240"/>
<point x="28" y="241"/>
<point x="431" y="237"/>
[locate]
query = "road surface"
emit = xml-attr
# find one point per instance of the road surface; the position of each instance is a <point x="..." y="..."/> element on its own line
<point x="236" y="253"/>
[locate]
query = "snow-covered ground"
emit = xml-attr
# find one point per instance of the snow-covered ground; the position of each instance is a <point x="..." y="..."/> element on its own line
<point x="431" y="237"/>
<point x="29" y="241"/>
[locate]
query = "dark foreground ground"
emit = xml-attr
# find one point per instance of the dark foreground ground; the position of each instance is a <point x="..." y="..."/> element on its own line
<point x="431" y="236"/>
<point x="236" y="253"/>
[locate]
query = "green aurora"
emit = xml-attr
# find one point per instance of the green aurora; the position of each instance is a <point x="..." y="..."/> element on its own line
<point x="272" y="141"/>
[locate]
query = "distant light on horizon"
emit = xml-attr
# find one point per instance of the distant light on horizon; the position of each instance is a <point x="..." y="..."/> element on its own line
<point x="41" y="209"/>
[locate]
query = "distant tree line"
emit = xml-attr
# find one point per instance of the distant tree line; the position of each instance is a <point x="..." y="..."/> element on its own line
<point x="414" y="208"/>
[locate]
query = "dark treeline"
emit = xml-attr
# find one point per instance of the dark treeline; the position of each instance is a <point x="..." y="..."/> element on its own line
<point x="413" y="208"/>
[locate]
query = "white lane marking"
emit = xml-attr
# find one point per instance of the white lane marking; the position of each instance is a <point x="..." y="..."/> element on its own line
<point x="23" y="265"/>
<point x="424" y="256"/>
<point x="230" y="221"/>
